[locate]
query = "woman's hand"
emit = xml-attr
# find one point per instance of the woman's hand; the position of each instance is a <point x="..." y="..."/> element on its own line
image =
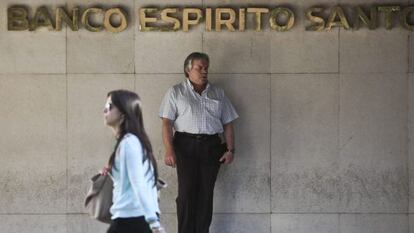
<point x="105" y="171"/>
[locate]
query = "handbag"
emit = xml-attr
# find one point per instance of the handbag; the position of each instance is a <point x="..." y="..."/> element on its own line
<point x="98" y="201"/>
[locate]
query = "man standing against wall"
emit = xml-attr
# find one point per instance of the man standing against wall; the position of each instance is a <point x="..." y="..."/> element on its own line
<point x="198" y="112"/>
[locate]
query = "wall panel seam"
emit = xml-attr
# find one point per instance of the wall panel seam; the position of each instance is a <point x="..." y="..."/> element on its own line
<point x="270" y="147"/>
<point x="67" y="122"/>
<point x="135" y="35"/>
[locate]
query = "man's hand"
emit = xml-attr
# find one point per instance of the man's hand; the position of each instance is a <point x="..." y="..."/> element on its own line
<point x="227" y="158"/>
<point x="158" y="230"/>
<point x="169" y="158"/>
<point x="167" y="138"/>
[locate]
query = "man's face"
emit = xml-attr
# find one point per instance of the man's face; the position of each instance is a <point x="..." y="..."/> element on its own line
<point x="199" y="72"/>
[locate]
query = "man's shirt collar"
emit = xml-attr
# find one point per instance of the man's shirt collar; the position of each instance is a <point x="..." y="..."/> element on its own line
<point x="192" y="87"/>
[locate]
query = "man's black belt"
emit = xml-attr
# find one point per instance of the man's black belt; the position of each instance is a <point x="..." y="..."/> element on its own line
<point x="197" y="136"/>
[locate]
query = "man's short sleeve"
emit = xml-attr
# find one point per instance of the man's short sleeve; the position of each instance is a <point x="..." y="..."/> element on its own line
<point x="168" y="108"/>
<point x="228" y="114"/>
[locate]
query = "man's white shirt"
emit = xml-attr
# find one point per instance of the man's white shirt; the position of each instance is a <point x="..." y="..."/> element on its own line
<point x="195" y="113"/>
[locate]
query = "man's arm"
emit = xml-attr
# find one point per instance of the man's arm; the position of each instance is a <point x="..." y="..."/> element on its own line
<point x="227" y="157"/>
<point x="167" y="138"/>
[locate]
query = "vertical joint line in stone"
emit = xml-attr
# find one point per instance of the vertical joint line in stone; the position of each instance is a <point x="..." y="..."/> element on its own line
<point x="270" y="150"/>
<point x="338" y="135"/>
<point x="67" y="121"/>
<point x="339" y="224"/>
<point x="202" y="42"/>
<point x="408" y="54"/>
<point x="339" y="51"/>
<point x="135" y="28"/>
<point x="407" y="141"/>
<point x="270" y="222"/>
<point x="66" y="50"/>
<point x="67" y="141"/>
<point x="338" y="116"/>
<point x="135" y="83"/>
<point x="408" y="130"/>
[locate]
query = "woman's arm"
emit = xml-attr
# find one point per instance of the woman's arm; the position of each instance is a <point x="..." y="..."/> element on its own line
<point x="141" y="179"/>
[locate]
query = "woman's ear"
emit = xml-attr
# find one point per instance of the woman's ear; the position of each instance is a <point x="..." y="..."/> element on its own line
<point x="121" y="118"/>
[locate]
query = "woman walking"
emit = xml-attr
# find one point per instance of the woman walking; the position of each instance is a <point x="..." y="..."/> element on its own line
<point x="132" y="166"/>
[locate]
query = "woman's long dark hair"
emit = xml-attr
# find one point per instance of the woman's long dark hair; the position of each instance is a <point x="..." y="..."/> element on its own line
<point x="128" y="103"/>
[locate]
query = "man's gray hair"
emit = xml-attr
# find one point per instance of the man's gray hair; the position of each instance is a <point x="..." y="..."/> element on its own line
<point x="188" y="63"/>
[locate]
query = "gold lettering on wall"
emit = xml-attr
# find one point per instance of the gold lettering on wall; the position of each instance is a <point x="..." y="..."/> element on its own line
<point x="258" y="16"/>
<point x="42" y="18"/>
<point x="170" y="20"/>
<point x="404" y="18"/>
<point x="144" y="19"/>
<point x="62" y="16"/>
<point x="371" y="21"/>
<point x="274" y="24"/>
<point x="220" y="12"/>
<point x="388" y="14"/>
<point x="186" y="17"/>
<point x="85" y="19"/>
<point x="318" y="23"/>
<point x="17" y="18"/>
<point x="232" y="19"/>
<point x="108" y="23"/>
<point x="332" y="22"/>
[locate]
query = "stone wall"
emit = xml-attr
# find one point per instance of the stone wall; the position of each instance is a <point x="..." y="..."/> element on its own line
<point x="324" y="139"/>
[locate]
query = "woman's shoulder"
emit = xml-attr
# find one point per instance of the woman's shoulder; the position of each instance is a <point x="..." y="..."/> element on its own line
<point x="130" y="139"/>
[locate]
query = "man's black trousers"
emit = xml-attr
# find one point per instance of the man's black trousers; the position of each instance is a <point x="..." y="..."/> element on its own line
<point x="197" y="158"/>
